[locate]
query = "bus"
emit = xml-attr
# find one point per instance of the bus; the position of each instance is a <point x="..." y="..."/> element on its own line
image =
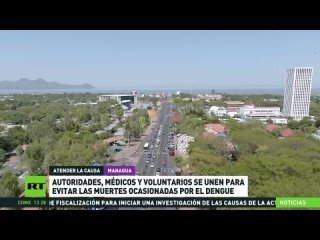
<point x="146" y="147"/>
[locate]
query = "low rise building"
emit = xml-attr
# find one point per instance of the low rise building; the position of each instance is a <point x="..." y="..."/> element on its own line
<point x="233" y="104"/>
<point x="120" y="98"/>
<point x="112" y="140"/>
<point x="287" y="132"/>
<point x="232" y="112"/>
<point x="279" y="120"/>
<point x="272" y="127"/>
<point x="215" y="128"/>
<point x="259" y="112"/>
<point x="218" y="111"/>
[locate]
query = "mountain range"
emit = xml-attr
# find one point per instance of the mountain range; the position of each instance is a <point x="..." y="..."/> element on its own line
<point x="25" y="83"/>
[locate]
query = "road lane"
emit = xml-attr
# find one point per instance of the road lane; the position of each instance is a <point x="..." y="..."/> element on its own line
<point x="164" y="119"/>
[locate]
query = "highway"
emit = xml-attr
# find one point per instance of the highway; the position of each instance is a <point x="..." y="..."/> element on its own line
<point x="162" y="159"/>
<point x="159" y="158"/>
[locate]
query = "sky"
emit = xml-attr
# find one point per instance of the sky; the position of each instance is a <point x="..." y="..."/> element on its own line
<point x="159" y="59"/>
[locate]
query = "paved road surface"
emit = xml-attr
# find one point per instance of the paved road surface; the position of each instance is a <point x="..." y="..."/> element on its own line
<point x="160" y="158"/>
<point x="164" y="119"/>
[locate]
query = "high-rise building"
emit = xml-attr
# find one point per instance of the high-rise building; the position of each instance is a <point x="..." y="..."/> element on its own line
<point x="297" y="92"/>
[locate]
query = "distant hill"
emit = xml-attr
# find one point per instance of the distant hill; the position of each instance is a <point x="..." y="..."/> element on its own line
<point x="25" y="83"/>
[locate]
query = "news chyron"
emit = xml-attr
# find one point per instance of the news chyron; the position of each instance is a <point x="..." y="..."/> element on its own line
<point x="103" y="187"/>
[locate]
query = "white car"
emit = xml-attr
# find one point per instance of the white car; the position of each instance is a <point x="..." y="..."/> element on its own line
<point x="157" y="174"/>
<point x="152" y="165"/>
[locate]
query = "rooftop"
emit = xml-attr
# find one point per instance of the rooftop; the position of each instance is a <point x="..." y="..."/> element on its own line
<point x="216" y="127"/>
<point x="261" y="114"/>
<point x="250" y="107"/>
<point x="286" y="132"/>
<point x="234" y="102"/>
<point x="117" y="95"/>
<point x="230" y="109"/>
<point x="112" y="139"/>
<point x="271" y="127"/>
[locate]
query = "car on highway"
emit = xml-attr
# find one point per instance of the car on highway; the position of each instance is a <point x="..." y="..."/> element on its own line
<point x="171" y="153"/>
<point x="158" y="171"/>
<point x="147" y="160"/>
<point x="154" y="156"/>
<point x="151" y="146"/>
<point x="152" y="165"/>
<point x="149" y="155"/>
<point x="157" y="174"/>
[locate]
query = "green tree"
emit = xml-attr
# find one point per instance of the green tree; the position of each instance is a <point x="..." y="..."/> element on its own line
<point x="179" y="161"/>
<point x="89" y="139"/>
<point x="305" y="122"/>
<point x="293" y="124"/>
<point x="105" y="107"/>
<point x="317" y="123"/>
<point x="20" y="118"/>
<point x="18" y="136"/>
<point x="19" y="150"/>
<point x="2" y="155"/>
<point x="37" y="130"/>
<point x="35" y="157"/>
<point x="9" y="185"/>
<point x="269" y="121"/>
<point x="70" y="125"/>
<point x="4" y="143"/>
<point x="80" y="155"/>
<point x="119" y="113"/>
<point x="94" y="127"/>
<point x="85" y="117"/>
<point x="142" y="123"/>
<point x="102" y="152"/>
<point x="105" y="120"/>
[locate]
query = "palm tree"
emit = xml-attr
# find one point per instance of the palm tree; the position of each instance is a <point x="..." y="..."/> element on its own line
<point x="142" y="123"/>
<point x="128" y="130"/>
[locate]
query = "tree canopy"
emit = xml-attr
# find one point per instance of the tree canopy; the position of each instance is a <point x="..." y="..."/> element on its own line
<point x="9" y="185"/>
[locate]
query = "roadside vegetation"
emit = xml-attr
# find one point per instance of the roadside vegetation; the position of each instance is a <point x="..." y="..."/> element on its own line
<point x="57" y="131"/>
<point x="275" y="166"/>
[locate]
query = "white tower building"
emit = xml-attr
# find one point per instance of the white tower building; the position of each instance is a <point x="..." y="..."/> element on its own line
<point x="297" y="92"/>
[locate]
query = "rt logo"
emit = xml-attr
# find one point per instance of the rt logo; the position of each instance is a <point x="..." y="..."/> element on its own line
<point x="35" y="186"/>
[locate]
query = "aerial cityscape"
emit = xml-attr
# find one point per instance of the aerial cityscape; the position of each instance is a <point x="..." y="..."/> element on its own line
<point x="173" y="125"/>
